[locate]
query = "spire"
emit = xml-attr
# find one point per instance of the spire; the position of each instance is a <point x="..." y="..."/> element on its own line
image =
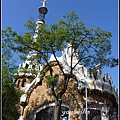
<point x="32" y="54"/>
<point x="41" y="19"/>
<point x="32" y="65"/>
<point x="42" y="11"/>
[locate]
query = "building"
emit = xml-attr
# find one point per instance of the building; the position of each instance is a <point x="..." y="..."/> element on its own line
<point x="89" y="95"/>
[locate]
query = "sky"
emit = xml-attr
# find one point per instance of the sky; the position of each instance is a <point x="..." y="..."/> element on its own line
<point x="98" y="13"/>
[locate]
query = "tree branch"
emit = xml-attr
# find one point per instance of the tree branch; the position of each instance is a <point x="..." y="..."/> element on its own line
<point x="53" y="92"/>
<point x="57" y="61"/>
<point x="66" y="80"/>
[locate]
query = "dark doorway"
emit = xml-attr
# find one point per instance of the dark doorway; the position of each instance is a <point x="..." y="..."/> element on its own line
<point x="48" y="113"/>
<point x="93" y="115"/>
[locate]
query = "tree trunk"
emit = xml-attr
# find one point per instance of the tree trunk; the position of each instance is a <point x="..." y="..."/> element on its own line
<point x="57" y="112"/>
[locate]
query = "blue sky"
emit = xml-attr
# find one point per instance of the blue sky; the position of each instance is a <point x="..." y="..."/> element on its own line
<point x="102" y="13"/>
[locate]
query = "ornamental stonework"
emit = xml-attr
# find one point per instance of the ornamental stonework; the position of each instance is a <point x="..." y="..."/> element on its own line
<point x="39" y="98"/>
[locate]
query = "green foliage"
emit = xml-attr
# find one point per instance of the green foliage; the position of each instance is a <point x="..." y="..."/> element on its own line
<point x="91" y="45"/>
<point x="10" y="96"/>
<point x="51" y="79"/>
<point x="30" y="26"/>
<point x="26" y="70"/>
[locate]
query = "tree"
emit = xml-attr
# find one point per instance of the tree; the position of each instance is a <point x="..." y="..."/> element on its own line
<point x="10" y="96"/>
<point x="90" y="46"/>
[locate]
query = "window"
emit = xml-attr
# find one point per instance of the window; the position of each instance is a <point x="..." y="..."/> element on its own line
<point x="24" y="83"/>
<point x="104" y="79"/>
<point x="26" y="66"/>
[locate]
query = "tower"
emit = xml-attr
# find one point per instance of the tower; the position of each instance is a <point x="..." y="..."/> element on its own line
<point x="41" y="18"/>
<point x="26" y="77"/>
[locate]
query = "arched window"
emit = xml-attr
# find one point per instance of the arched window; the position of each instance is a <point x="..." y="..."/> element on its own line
<point x="24" y="83"/>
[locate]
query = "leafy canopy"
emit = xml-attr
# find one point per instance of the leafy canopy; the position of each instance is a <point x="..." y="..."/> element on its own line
<point x="91" y="45"/>
<point x="10" y="96"/>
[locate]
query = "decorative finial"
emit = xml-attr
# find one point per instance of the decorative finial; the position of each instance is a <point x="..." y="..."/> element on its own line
<point x="44" y="2"/>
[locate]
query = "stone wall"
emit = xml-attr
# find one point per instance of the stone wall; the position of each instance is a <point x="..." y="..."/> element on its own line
<point x="74" y="98"/>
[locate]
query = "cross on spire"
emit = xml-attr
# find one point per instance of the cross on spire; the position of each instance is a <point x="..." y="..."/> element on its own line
<point x="44" y="2"/>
